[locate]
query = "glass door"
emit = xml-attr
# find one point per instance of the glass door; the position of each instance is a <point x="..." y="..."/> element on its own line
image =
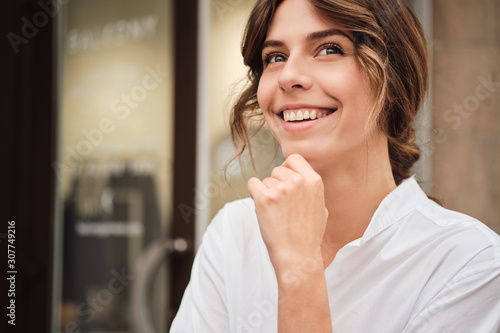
<point x="115" y="159"/>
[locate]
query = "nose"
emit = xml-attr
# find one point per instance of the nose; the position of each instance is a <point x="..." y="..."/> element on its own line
<point x="294" y="75"/>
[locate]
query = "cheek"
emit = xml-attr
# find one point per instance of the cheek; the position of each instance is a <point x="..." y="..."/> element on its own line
<point x="265" y="91"/>
<point x="353" y="91"/>
<point x="260" y="98"/>
<point x="262" y="93"/>
<point x="263" y="99"/>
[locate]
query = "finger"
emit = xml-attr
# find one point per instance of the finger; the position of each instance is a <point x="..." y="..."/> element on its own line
<point x="297" y="163"/>
<point x="282" y="173"/>
<point x="255" y="187"/>
<point x="271" y="182"/>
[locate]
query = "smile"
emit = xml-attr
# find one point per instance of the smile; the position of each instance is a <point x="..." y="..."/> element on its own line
<point x="305" y="114"/>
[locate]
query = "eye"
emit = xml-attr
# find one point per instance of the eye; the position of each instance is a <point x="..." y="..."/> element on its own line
<point x="273" y="57"/>
<point x="329" y="49"/>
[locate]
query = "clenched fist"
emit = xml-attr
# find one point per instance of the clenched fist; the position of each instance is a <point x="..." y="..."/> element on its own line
<point x="290" y="208"/>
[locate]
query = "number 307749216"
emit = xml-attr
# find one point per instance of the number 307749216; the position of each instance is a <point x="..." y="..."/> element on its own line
<point x="11" y="249"/>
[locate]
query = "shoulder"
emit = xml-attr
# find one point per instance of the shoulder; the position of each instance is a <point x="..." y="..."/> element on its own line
<point x="457" y="237"/>
<point x="234" y="225"/>
<point x="461" y="270"/>
<point x="235" y="214"/>
<point x="427" y="220"/>
<point x="243" y="209"/>
<point x="433" y="235"/>
<point x="459" y="225"/>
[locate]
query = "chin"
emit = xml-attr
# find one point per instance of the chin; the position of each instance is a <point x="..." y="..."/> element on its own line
<point x="322" y="158"/>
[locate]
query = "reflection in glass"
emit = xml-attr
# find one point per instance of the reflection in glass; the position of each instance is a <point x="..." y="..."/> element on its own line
<point x="115" y="157"/>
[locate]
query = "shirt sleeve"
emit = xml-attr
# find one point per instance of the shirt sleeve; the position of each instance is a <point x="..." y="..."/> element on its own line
<point x="203" y="307"/>
<point x="467" y="304"/>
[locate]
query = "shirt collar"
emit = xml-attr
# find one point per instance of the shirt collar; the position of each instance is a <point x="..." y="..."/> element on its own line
<point x="397" y="204"/>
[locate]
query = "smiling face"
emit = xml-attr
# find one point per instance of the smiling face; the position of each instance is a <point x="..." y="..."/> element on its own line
<point x="314" y="96"/>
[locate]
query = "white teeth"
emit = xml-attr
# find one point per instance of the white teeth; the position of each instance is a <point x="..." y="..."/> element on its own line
<point x="300" y="115"/>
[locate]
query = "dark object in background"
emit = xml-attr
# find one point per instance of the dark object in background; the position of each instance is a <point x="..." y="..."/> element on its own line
<point x="109" y="220"/>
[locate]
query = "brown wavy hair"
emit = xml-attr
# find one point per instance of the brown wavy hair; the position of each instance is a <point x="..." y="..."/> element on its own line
<point x="391" y="49"/>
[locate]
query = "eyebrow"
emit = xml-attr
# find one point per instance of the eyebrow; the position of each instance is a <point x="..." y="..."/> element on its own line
<point x="312" y="36"/>
<point x="326" y="33"/>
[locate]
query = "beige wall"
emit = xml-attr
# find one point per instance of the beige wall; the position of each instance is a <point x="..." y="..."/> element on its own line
<point x="466" y="109"/>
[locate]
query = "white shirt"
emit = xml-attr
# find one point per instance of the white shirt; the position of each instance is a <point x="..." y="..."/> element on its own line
<point x="418" y="268"/>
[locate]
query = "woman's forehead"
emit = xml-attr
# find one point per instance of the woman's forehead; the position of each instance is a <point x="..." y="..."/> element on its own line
<point x="299" y="19"/>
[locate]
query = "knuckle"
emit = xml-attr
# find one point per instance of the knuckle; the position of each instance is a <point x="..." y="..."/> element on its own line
<point x="297" y="180"/>
<point x="267" y="181"/>
<point x="316" y="180"/>
<point x="282" y="188"/>
<point x="276" y="172"/>
<point x="294" y="157"/>
<point x="269" y="198"/>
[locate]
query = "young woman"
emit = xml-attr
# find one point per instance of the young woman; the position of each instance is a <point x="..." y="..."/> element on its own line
<point x="340" y="238"/>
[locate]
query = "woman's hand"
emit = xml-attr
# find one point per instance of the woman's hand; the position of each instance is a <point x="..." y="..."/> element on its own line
<point x="290" y="207"/>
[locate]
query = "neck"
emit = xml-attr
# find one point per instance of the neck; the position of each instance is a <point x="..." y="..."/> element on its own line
<point x="353" y="192"/>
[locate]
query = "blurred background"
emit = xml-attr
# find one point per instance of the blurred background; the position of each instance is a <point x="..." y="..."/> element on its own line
<point x="117" y="134"/>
